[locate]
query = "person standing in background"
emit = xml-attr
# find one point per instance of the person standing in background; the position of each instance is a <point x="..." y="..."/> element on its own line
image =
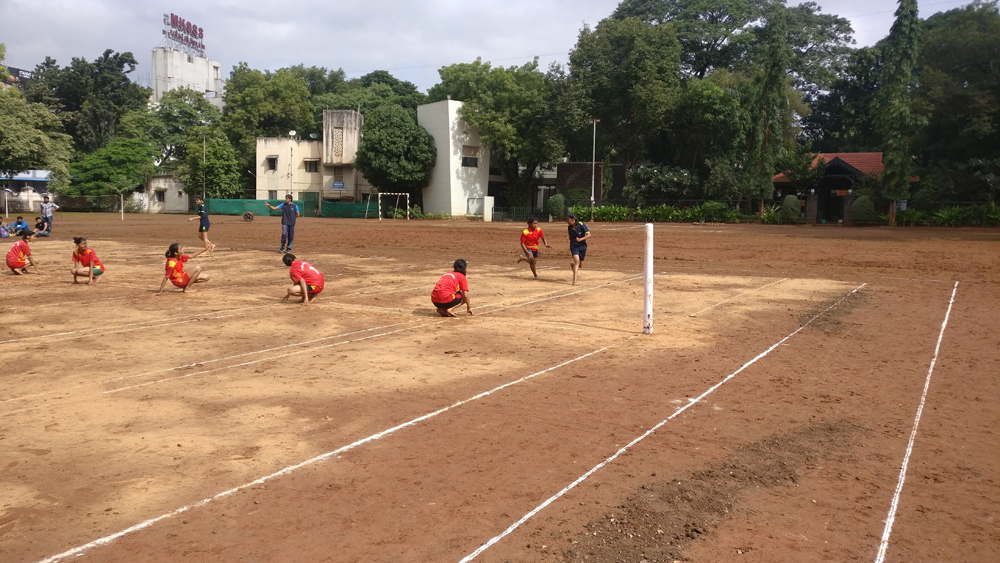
<point x="289" y="212"/>
<point x="47" y="208"/>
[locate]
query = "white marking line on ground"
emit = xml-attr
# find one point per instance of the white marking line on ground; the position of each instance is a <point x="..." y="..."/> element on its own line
<point x="271" y="350"/>
<point x="695" y="314"/>
<point x="691" y="402"/>
<point x="884" y="545"/>
<point x="322" y="457"/>
<point x="93" y="331"/>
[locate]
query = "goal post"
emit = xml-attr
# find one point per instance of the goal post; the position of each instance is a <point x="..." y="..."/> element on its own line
<point x="647" y="313"/>
<point x="398" y="196"/>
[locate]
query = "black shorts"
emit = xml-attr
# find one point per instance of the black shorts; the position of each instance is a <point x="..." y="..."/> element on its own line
<point x="530" y="253"/>
<point x="203" y="229"/>
<point x="455" y="303"/>
<point x="581" y="252"/>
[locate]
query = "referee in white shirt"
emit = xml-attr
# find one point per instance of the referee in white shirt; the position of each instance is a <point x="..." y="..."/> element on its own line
<point x="47" y="209"/>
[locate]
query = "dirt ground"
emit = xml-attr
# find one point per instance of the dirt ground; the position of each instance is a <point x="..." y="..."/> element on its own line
<point x="226" y="425"/>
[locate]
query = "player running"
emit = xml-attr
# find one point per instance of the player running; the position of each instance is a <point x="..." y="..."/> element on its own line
<point x="529" y="244"/>
<point x="19" y="255"/>
<point x="204" y="224"/>
<point x="578" y="235"/>
<point x="451" y="291"/>
<point x="90" y="265"/>
<point x="175" y="270"/>
<point x="307" y="279"/>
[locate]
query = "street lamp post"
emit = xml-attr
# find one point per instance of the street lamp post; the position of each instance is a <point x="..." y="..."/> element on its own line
<point x="593" y="168"/>
<point x="204" y="160"/>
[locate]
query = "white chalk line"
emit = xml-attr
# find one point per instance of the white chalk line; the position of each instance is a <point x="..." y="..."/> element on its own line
<point x="164" y="380"/>
<point x="695" y="314"/>
<point x="322" y="457"/>
<point x="891" y="518"/>
<point x="691" y="402"/>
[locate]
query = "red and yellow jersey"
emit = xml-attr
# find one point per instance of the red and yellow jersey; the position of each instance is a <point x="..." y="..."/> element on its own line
<point x="17" y="253"/>
<point x="86" y="257"/>
<point x="530" y="238"/>
<point x="301" y="270"/>
<point x="448" y="287"/>
<point x="175" y="267"/>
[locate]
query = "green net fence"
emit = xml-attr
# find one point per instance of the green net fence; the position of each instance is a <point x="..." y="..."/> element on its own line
<point x="348" y="210"/>
<point x="255" y="206"/>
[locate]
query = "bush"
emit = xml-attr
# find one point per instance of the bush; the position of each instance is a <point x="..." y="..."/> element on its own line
<point x="713" y="211"/>
<point x="863" y="211"/>
<point x="611" y="213"/>
<point x="950" y="217"/>
<point x="790" y="209"/>
<point x="556" y="206"/>
<point x="772" y="215"/>
<point x="657" y="214"/>
<point x="911" y="217"/>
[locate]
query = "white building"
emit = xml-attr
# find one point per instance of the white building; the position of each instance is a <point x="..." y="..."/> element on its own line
<point x="461" y="172"/>
<point x="323" y="166"/>
<point x="163" y="194"/>
<point x="173" y="69"/>
<point x="24" y="192"/>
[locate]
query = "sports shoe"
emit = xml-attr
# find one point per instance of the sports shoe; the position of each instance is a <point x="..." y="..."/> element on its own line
<point x="282" y="249"/>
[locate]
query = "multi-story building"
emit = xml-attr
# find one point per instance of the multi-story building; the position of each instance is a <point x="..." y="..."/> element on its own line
<point x="173" y="69"/>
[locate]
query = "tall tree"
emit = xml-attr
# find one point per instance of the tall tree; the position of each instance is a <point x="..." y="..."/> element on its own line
<point x="121" y="166"/>
<point x="407" y="94"/>
<point x="397" y="153"/>
<point x="264" y="105"/>
<point x="770" y="101"/>
<point x="320" y="80"/>
<point x="31" y="137"/>
<point x="629" y="74"/>
<point x="3" y="70"/>
<point x="89" y="97"/>
<point x="893" y="117"/>
<point x="515" y="110"/>
<point x="843" y="117"/>
<point x="211" y="162"/>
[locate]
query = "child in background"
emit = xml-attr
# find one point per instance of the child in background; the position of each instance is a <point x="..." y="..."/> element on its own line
<point x="307" y="279"/>
<point x="19" y="255"/>
<point x="529" y="244"/>
<point x="452" y="290"/>
<point x="175" y="270"/>
<point x="90" y="265"/>
<point x="203" y="225"/>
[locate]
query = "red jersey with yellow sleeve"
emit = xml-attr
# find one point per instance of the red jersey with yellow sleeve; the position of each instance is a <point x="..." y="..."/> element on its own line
<point x="302" y="270"/>
<point x="86" y="257"/>
<point x="449" y="287"/>
<point x="175" y="270"/>
<point x="530" y="238"/>
<point x="17" y="253"/>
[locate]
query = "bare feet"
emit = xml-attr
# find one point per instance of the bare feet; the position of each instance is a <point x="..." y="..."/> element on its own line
<point x="186" y="290"/>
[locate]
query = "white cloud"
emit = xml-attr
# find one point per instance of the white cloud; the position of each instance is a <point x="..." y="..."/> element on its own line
<point x="411" y="38"/>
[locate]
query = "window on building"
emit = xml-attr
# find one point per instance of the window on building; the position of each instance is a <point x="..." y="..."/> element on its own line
<point x="161" y="196"/>
<point x="272" y="194"/>
<point x="272" y="163"/>
<point x="190" y="59"/>
<point x="312" y="165"/>
<point x="215" y="69"/>
<point x="470" y="156"/>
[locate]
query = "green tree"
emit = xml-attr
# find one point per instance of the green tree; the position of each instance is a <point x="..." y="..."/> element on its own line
<point x="397" y="154"/>
<point x="121" y="166"/>
<point x="821" y="47"/>
<point x="264" y="105"/>
<point x="516" y="113"/>
<point x="212" y="163"/>
<point x="31" y="137"/>
<point x="769" y="98"/>
<point x="893" y="117"/>
<point x="320" y="80"/>
<point x="957" y="95"/>
<point x="89" y="97"/>
<point x="365" y="99"/>
<point x="843" y="118"/>
<point x="707" y="125"/>
<point x="803" y="168"/>
<point x="406" y="92"/>
<point x="629" y="75"/>
<point x="3" y="70"/>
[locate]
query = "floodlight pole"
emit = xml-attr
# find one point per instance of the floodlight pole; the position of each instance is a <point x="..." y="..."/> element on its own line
<point x="204" y="160"/>
<point x="593" y="168"/>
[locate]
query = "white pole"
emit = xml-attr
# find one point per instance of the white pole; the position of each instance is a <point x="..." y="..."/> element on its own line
<point x="123" y="206"/>
<point x="407" y="207"/>
<point x="380" y="207"/>
<point x="593" y="167"/>
<point x="647" y="315"/>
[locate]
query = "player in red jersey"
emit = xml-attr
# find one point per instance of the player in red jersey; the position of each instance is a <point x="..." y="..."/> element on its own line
<point x="529" y="244"/>
<point x="307" y="279"/>
<point x="175" y="270"/>
<point x="90" y="265"/>
<point x="451" y="291"/>
<point x="19" y="255"/>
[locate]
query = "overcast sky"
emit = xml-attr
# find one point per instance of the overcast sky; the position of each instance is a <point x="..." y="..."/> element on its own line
<point x="410" y="38"/>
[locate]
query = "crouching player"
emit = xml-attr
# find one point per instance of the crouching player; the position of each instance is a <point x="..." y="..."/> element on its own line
<point x="86" y="263"/>
<point x="307" y="279"/>
<point x="175" y="270"/>
<point x="19" y="255"/>
<point x="451" y="291"/>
